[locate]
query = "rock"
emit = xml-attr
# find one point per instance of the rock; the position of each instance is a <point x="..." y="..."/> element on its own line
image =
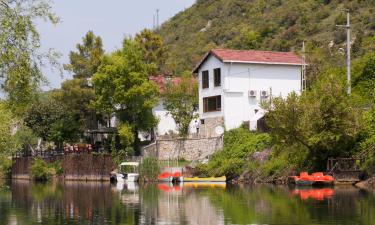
<point x="261" y="156"/>
<point x="368" y="184"/>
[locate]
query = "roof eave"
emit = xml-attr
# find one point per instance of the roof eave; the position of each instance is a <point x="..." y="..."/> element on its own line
<point x="268" y="63"/>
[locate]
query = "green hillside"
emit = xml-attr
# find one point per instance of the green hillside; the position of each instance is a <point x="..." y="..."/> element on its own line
<point x="279" y="25"/>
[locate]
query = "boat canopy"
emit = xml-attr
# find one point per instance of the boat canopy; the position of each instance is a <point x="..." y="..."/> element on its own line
<point x="129" y="164"/>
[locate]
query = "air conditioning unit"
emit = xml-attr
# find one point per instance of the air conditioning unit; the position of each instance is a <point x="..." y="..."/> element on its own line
<point x="252" y="93"/>
<point x="264" y="94"/>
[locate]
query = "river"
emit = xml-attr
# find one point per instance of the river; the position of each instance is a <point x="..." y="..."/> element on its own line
<point x="22" y="202"/>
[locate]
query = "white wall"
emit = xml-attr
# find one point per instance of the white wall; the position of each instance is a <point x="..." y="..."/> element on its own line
<point x="237" y="79"/>
<point x="210" y="64"/>
<point x="166" y="122"/>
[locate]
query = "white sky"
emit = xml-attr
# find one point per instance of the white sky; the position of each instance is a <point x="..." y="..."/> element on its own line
<point x="110" y="19"/>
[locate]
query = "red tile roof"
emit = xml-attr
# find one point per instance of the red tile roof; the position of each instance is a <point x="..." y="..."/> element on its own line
<point x="161" y="81"/>
<point x="253" y="56"/>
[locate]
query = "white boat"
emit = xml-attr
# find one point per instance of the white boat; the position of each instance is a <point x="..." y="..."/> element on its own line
<point x="124" y="176"/>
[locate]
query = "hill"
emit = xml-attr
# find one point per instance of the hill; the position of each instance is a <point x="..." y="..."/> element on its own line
<point x="279" y="25"/>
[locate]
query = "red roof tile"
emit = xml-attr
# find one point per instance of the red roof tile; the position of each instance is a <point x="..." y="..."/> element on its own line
<point x="253" y="56"/>
<point x="161" y="81"/>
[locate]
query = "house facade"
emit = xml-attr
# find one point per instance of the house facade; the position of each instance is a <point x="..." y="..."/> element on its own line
<point x="233" y="83"/>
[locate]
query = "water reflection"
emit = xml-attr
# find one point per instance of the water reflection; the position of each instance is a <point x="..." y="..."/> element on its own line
<point x="319" y="194"/>
<point x="22" y="202"/>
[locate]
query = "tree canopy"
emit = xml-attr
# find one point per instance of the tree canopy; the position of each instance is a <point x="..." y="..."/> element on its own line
<point x="122" y="88"/>
<point x="20" y="56"/>
<point x="78" y="93"/>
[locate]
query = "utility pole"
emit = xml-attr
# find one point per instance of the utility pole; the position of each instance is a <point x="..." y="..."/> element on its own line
<point x="303" y="78"/>
<point x="157" y="18"/>
<point x="348" y="45"/>
<point x="153" y="22"/>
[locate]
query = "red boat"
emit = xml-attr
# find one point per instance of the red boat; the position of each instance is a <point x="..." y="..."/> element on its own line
<point x="318" y="178"/>
<point x="169" y="177"/>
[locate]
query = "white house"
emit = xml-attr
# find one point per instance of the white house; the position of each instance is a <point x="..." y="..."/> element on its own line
<point x="232" y="83"/>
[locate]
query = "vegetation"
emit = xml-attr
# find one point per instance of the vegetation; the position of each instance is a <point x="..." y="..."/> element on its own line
<point x="42" y="171"/>
<point x="269" y="25"/>
<point x="181" y="101"/>
<point x="239" y="144"/>
<point x="52" y="121"/>
<point x="78" y="93"/>
<point x="154" y="51"/>
<point x="149" y="169"/>
<point x="20" y="55"/>
<point x="122" y="88"/>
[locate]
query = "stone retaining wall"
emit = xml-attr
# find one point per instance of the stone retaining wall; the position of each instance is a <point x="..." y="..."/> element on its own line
<point x="188" y="149"/>
<point x="75" y="166"/>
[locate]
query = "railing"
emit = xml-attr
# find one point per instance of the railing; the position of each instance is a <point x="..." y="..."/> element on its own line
<point x="56" y="152"/>
<point x="345" y="164"/>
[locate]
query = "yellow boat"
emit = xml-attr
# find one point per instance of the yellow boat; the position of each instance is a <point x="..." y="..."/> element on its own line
<point x="206" y="179"/>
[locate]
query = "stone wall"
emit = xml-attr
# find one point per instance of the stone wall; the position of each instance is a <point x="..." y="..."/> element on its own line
<point x="188" y="149"/>
<point x="75" y="166"/>
<point x="208" y="128"/>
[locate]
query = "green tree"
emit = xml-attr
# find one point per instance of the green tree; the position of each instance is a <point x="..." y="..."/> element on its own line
<point x="20" y="55"/>
<point x="76" y="96"/>
<point x="51" y="121"/>
<point x="322" y="121"/>
<point x="181" y="101"/>
<point x="153" y="49"/>
<point x="122" y="88"/>
<point x="85" y="62"/>
<point x="78" y="93"/>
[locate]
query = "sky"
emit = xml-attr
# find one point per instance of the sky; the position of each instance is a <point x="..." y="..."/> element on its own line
<point x="111" y="19"/>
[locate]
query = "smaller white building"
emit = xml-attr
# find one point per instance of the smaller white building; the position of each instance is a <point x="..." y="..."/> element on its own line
<point x="233" y="83"/>
<point x="166" y="124"/>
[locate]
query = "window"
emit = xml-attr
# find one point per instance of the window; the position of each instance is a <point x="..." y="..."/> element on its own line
<point x="217" y="77"/>
<point x="202" y="121"/>
<point x="212" y="104"/>
<point x="205" y="79"/>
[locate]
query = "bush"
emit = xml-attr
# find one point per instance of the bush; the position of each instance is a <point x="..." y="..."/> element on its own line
<point x="284" y="160"/>
<point x="42" y="171"/>
<point x="149" y="169"/>
<point x="5" y="166"/>
<point x="239" y="144"/>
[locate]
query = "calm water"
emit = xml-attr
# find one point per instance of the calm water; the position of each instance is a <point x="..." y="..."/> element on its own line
<point x="22" y="202"/>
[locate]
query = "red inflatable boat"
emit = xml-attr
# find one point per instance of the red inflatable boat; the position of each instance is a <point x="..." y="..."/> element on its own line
<point x="304" y="179"/>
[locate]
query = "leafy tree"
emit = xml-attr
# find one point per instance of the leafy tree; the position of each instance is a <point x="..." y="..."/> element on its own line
<point x="85" y="62"/>
<point x="322" y="121"/>
<point x="51" y="121"/>
<point x="153" y="48"/>
<point x="122" y="87"/>
<point x="20" y="55"/>
<point x="78" y="93"/>
<point x="8" y="128"/>
<point x="76" y="96"/>
<point x="181" y="101"/>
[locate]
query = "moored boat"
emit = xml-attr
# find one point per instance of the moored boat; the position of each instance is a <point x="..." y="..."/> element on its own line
<point x="124" y="176"/>
<point x="316" y="179"/>
<point x="165" y="177"/>
<point x="203" y="179"/>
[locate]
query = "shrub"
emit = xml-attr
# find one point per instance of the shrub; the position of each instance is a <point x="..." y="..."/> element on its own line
<point x="57" y="167"/>
<point x="149" y="169"/>
<point x="238" y="146"/>
<point x="5" y="166"/>
<point x="42" y="171"/>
